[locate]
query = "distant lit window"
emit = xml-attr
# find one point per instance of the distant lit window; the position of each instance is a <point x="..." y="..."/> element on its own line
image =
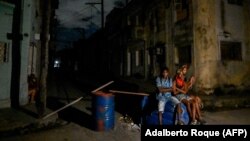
<point x="231" y="51"/>
<point x="236" y="2"/>
<point x="57" y="64"/>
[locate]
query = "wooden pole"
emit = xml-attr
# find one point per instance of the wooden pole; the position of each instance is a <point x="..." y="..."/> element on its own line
<point x="132" y="93"/>
<point x="105" y="85"/>
<point x="73" y="102"/>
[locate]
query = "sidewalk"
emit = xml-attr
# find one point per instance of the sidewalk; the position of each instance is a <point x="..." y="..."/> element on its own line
<point x="211" y="102"/>
<point x="22" y="120"/>
<point x="76" y="122"/>
<point x="16" y="121"/>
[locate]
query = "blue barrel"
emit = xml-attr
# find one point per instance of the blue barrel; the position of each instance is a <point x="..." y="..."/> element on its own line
<point x="169" y="115"/>
<point x="104" y="112"/>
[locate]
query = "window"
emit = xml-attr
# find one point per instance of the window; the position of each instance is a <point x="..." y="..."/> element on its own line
<point x="181" y="9"/>
<point x="128" y="64"/>
<point x="128" y="20"/>
<point x="230" y="51"/>
<point x="141" y="57"/>
<point x="236" y="2"/>
<point x="4" y="52"/>
<point x="137" y="58"/>
<point x="185" y="56"/>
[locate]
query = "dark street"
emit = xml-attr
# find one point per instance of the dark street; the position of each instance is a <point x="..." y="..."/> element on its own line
<point x="104" y="69"/>
<point x="77" y="123"/>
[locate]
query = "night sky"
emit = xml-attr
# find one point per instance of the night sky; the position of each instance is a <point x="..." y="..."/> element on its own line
<point x="78" y="14"/>
<point x="79" y="20"/>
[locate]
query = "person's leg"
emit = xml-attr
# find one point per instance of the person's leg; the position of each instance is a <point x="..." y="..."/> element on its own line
<point x="32" y="95"/>
<point x="161" y="107"/>
<point x="178" y="109"/>
<point x="194" y="112"/>
<point x="179" y="113"/>
<point x="187" y="103"/>
<point x="198" y="110"/>
<point x="160" y="117"/>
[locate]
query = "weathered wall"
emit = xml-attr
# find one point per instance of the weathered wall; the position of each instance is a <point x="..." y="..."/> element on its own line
<point x="247" y="29"/>
<point x="205" y="44"/>
<point x="6" y="14"/>
<point x="25" y="44"/>
<point x="236" y="23"/>
<point x="170" y="61"/>
<point x="211" y="19"/>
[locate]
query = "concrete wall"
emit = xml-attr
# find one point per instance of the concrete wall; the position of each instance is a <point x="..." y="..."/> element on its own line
<point x="26" y="27"/>
<point x="170" y="53"/>
<point x="205" y="45"/>
<point x="233" y="72"/>
<point x="210" y="70"/>
<point x="247" y="28"/>
<point x="6" y="14"/>
<point x="34" y="39"/>
<point x="203" y="31"/>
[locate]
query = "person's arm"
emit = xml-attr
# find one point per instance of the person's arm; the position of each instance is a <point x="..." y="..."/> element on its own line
<point x="181" y="90"/>
<point x="164" y="90"/>
<point x="190" y="82"/>
<point x="178" y="90"/>
<point x="160" y="88"/>
<point x="175" y="89"/>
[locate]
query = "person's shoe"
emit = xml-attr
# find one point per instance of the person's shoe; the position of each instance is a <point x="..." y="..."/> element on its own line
<point x="180" y="122"/>
<point x="193" y="122"/>
<point x="201" y="106"/>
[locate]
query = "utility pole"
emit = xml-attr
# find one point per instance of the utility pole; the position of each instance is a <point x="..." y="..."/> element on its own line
<point x="16" y="57"/>
<point x="102" y="9"/>
<point x="46" y="13"/>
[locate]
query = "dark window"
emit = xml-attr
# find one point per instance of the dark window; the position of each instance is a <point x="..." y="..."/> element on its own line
<point x="185" y="56"/>
<point x="236" y="2"/>
<point x="182" y="9"/>
<point x="4" y="52"/>
<point x="230" y="51"/>
<point x="141" y="57"/>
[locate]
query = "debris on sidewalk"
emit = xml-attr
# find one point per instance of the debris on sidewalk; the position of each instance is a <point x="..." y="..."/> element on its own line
<point x="128" y="124"/>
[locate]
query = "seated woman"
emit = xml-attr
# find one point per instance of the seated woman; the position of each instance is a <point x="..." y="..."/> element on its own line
<point x="32" y="87"/>
<point x="196" y="106"/>
<point x="180" y="89"/>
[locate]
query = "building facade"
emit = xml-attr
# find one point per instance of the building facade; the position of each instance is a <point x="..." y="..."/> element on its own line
<point x="211" y="36"/>
<point x="20" y="49"/>
<point x="6" y="14"/>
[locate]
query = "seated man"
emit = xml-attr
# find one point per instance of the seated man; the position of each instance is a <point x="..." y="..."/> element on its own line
<point x="164" y="86"/>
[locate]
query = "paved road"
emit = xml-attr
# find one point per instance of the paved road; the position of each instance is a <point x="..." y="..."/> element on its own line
<point x="75" y="132"/>
<point x="228" y="117"/>
<point x="78" y="129"/>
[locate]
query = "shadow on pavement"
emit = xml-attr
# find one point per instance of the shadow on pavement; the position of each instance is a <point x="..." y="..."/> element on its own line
<point x="131" y="105"/>
<point x="71" y="114"/>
